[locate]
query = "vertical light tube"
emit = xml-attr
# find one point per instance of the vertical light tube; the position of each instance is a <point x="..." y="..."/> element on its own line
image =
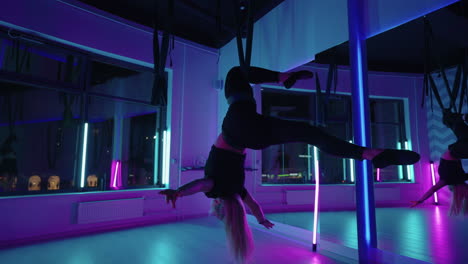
<point x="344" y="171"/>
<point x="351" y="167"/>
<point x="436" y="199"/>
<point x="409" y="168"/>
<point x="378" y="174"/>
<point x="115" y="174"/>
<point x="156" y="158"/>
<point x="400" y="167"/>
<point x="308" y="163"/>
<point x="166" y="155"/>
<point x="316" y="200"/>
<point x="83" y="155"/>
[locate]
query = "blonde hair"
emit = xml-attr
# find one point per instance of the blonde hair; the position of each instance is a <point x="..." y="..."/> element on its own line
<point x="459" y="199"/>
<point x="239" y="236"/>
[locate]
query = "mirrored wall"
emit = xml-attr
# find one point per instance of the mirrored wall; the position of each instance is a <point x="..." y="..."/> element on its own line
<point x="74" y="122"/>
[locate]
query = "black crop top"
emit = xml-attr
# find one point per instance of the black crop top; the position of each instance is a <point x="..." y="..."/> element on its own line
<point x="226" y="169"/>
<point x="451" y="171"/>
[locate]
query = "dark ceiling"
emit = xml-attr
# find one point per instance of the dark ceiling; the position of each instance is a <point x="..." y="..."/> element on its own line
<point x="207" y="22"/>
<point x="212" y="23"/>
<point x="402" y="49"/>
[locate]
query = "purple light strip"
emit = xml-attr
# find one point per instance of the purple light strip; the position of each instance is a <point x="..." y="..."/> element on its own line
<point x="378" y="174"/>
<point x="115" y="174"/>
<point x="436" y="199"/>
<point x="316" y="199"/>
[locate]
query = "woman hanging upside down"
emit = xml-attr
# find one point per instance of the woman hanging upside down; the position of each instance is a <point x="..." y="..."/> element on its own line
<point x="450" y="170"/>
<point x="244" y="128"/>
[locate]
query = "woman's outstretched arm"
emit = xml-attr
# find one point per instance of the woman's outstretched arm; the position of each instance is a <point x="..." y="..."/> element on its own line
<point x="199" y="185"/>
<point x="432" y="190"/>
<point x="257" y="211"/>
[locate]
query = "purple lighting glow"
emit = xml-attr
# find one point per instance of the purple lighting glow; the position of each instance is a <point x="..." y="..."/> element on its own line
<point x="116" y="175"/>
<point x="316" y="200"/>
<point x="378" y="174"/>
<point x="436" y="199"/>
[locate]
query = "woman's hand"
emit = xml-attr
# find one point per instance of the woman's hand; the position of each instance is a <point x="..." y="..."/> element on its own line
<point x="171" y="196"/>
<point x="266" y="223"/>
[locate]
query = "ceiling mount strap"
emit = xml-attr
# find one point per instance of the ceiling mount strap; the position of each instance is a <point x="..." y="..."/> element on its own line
<point x="159" y="93"/>
<point x="464" y="84"/>
<point x="456" y="86"/>
<point x="436" y="92"/>
<point x="457" y="91"/>
<point x="243" y="15"/>
<point x="429" y="86"/>
<point x="332" y="79"/>
<point x="320" y="108"/>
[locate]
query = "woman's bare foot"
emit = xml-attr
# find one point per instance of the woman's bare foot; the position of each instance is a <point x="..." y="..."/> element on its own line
<point x="382" y="158"/>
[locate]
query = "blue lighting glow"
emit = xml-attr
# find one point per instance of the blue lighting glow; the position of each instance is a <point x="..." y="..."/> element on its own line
<point x="83" y="156"/>
<point x="361" y="96"/>
<point x="363" y="137"/>
<point x="366" y="202"/>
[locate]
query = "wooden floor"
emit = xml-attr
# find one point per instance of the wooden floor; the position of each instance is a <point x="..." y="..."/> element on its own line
<point x="426" y="234"/>
<point x="195" y="241"/>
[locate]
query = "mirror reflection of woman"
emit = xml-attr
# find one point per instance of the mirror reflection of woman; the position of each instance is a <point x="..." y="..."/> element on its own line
<point x="451" y="172"/>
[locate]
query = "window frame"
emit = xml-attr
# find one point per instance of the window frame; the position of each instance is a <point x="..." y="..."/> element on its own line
<point x="407" y="171"/>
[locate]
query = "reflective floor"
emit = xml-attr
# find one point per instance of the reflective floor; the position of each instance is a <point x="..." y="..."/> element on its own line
<point x="193" y="241"/>
<point x="427" y="233"/>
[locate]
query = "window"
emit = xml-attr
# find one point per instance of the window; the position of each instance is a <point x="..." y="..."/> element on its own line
<point x="69" y="128"/>
<point x="293" y="163"/>
<point x="389" y="131"/>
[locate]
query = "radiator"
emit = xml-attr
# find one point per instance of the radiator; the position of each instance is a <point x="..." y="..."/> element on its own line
<point x="109" y="210"/>
<point x="300" y="197"/>
<point x="387" y="194"/>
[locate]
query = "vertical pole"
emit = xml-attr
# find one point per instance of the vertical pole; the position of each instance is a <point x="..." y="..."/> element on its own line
<point x="365" y="206"/>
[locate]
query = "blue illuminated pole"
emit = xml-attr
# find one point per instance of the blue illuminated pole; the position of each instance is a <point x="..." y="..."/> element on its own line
<point x="365" y="207"/>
